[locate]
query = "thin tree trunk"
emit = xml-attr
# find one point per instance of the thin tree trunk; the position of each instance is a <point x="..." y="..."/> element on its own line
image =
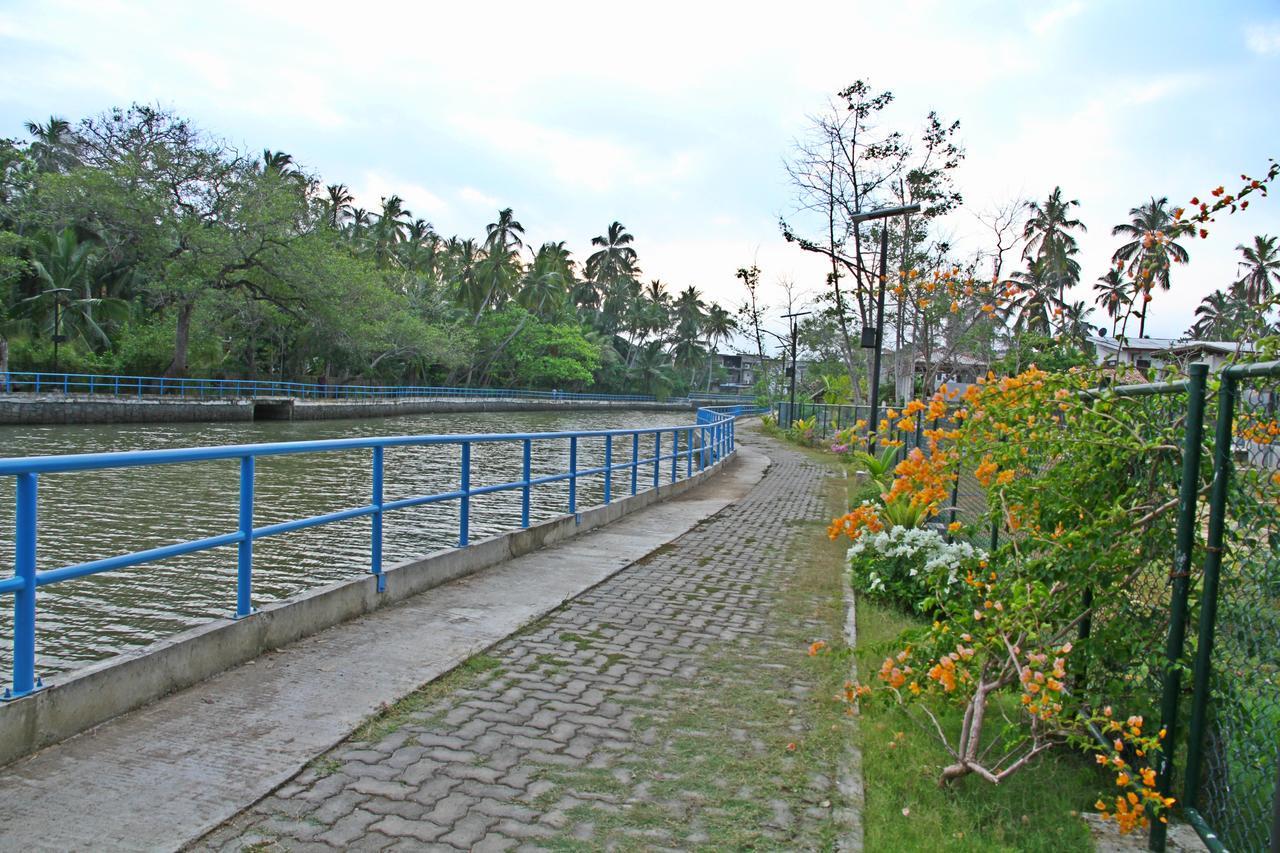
<point x="181" y="341"/>
<point x="4" y="355"/>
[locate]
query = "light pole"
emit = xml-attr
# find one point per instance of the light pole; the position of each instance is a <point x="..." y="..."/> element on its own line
<point x="858" y="219"/>
<point x="57" y="321"/>
<point x="791" y="410"/>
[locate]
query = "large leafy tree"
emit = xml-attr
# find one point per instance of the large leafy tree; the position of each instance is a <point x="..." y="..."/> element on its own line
<point x="718" y="325"/>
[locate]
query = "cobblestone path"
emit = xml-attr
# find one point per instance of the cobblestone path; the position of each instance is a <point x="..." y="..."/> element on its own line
<point x="670" y="707"/>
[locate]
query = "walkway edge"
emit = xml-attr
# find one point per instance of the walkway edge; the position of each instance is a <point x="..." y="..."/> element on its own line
<point x="198" y="757"/>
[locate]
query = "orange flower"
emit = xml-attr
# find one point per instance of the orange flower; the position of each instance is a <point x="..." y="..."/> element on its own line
<point x="814" y="648"/>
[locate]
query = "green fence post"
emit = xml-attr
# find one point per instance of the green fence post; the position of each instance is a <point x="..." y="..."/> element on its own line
<point x="1193" y="436"/>
<point x="1209" y="586"/>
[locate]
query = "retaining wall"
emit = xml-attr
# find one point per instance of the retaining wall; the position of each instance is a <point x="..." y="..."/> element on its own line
<point x="84" y="409"/>
<point x="79" y="700"/>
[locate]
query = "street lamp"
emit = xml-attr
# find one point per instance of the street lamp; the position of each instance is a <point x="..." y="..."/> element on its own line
<point x="58" y="337"/>
<point x="878" y="342"/>
<point x="791" y="410"/>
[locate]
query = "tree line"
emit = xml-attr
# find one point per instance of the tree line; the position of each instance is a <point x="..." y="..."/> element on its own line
<point x="145" y="245"/>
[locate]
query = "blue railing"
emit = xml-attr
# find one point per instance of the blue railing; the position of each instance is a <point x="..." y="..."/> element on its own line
<point x="14" y="382"/>
<point x="714" y="430"/>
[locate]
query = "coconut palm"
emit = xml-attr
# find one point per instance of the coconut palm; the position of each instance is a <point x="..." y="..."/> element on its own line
<point x="615" y="259"/>
<point x="689" y="307"/>
<point x="547" y="283"/>
<point x="1113" y="293"/>
<point x="54" y="145"/>
<point x="499" y="269"/>
<point x="1032" y="308"/>
<point x="1148" y="254"/>
<point x="1049" y="239"/>
<point x="1217" y="317"/>
<point x="1261" y="271"/>
<point x="337" y="204"/>
<point x="718" y="325"/>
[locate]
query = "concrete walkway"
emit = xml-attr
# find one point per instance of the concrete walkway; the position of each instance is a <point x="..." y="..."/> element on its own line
<point x="159" y="777"/>
<point x="604" y="726"/>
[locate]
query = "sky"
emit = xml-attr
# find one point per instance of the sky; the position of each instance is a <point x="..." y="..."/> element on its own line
<point x="677" y="118"/>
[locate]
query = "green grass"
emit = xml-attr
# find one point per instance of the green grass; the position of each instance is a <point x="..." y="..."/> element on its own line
<point x="409" y="709"/>
<point x="1034" y="810"/>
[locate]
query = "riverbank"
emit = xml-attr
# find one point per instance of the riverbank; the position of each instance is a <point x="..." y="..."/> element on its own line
<point x="50" y="409"/>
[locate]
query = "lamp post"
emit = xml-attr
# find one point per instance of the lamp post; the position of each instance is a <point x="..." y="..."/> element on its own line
<point x="858" y="219"/>
<point x="795" y="333"/>
<point x="58" y="337"/>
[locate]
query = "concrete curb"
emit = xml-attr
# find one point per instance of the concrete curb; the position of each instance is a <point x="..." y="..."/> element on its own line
<point x="849" y="779"/>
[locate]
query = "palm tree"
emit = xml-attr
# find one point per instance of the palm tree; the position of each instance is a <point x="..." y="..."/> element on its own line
<point x="548" y="281"/>
<point x="337" y="203"/>
<point x="1149" y="253"/>
<point x="1261" y="269"/>
<point x="499" y="269"/>
<point x="1032" y="309"/>
<point x="718" y="325"/>
<point x="390" y="228"/>
<point x="615" y="259"/>
<point x="54" y="145"/>
<point x="1216" y="317"/>
<point x="653" y="369"/>
<point x="280" y="165"/>
<point x="1049" y="240"/>
<point x="688" y="306"/>
<point x="64" y="266"/>
<point x="1113" y="293"/>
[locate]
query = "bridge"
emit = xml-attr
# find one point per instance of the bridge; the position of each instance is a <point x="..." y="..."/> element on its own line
<point x="201" y="728"/>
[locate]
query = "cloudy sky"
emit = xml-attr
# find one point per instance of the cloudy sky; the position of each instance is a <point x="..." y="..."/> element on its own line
<point x="675" y="118"/>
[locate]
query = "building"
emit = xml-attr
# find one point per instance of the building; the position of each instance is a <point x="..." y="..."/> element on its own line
<point x="1156" y="353"/>
<point x="741" y="371"/>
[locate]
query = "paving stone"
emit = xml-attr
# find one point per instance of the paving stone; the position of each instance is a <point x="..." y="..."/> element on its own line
<point x="492" y="766"/>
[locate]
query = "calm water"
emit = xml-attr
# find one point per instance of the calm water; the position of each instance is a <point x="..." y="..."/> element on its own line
<point x="95" y="514"/>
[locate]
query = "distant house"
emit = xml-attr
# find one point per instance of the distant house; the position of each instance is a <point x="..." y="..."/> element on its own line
<point x="1145" y="353"/>
<point x="743" y="370"/>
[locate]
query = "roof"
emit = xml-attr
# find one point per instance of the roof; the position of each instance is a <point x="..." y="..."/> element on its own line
<point x="1173" y="346"/>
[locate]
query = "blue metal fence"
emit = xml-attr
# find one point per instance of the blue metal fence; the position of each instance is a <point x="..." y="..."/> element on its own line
<point x="14" y="382"/>
<point x="714" y="431"/>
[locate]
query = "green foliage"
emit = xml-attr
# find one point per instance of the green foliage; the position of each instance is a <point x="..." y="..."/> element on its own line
<point x="153" y="227"/>
<point x="1053" y="355"/>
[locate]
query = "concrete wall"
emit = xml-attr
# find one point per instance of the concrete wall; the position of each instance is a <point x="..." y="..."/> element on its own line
<point x="79" y="700"/>
<point x="83" y="409"/>
<point x="308" y="410"/>
<point x="74" y="409"/>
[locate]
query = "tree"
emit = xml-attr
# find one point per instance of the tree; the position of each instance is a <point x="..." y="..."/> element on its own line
<point x="1261" y="269"/>
<point x="1113" y="293"/>
<point x="1049" y="240"/>
<point x="718" y="326"/>
<point x="337" y="204"/>
<point x="1149" y="254"/>
<point x="499" y="269"/>
<point x="54" y="145"/>
<point x="63" y="265"/>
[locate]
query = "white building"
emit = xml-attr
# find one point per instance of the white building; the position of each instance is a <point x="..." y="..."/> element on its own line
<point x="1144" y="353"/>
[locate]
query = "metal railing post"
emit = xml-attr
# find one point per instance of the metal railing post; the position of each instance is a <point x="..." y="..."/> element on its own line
<point x="573" y="474"/>
<point x="524" y="489"/>
<point x="1209" y="587"/>
<point x="464" y="503"/>
<point x="702" y="448"/>
<point x="635" y="460"/>
<point x="657" y="456"/>
<point x="688" y="452"/>
<point x="244" y="555"/>
<point x="1180" y="574"/>
<point x="675" y="452"/>
<point x="608" y="469"/>
<point x="24" y="598"/>
<point x="375" y="534"/>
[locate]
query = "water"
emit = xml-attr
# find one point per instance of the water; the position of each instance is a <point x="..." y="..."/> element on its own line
<point x="95" y="514"/>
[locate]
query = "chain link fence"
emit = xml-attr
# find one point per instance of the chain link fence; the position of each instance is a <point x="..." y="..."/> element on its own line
<point x="1205" y="597"/>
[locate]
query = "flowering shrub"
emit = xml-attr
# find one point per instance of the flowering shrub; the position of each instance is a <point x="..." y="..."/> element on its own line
<point x="804" y="431"/>
<point x="915" y="567"/>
